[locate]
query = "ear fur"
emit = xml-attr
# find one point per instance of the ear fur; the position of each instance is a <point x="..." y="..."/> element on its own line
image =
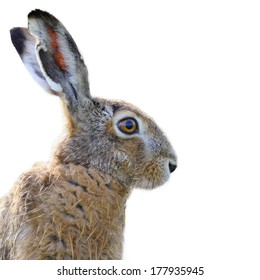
<point x="55" y="58"/>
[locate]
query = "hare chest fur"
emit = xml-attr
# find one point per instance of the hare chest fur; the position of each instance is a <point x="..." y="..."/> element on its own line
<point x="73" y="207"/>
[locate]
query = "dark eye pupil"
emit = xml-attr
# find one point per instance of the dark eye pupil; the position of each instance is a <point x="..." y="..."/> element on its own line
<point x="129" y="124"/>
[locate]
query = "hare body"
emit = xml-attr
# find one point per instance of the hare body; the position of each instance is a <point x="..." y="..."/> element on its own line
<point x="73" y="207"/>
<point x="63" y="212"/>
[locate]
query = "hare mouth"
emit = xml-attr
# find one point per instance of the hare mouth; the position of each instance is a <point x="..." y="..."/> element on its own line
<point x="154" y="174"/>
<point x="153" y="177"/>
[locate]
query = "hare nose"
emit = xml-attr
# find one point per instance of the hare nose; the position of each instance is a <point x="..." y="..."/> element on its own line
<point x="172" y="166"/>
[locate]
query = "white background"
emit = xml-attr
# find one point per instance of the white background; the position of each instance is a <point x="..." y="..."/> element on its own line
<point x="194" y="66"/>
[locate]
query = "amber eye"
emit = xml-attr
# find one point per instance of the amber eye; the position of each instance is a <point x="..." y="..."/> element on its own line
<point x="128" y="126"/>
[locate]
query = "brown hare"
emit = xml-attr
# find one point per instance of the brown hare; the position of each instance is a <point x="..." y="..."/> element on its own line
<point x="73" y="207"/>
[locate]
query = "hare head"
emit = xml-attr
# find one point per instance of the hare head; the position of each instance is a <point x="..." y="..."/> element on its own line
<point x="112" y="136"/>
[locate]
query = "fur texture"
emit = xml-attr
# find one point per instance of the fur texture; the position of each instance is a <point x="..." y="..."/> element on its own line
<point x="73" y="207"/>
<point x="63" y="212"/>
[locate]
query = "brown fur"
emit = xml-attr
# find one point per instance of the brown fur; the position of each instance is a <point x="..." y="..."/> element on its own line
<point x="65" y="212"/>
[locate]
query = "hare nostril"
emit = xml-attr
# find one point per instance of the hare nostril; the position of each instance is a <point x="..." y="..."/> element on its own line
<point x="172" y="166"/>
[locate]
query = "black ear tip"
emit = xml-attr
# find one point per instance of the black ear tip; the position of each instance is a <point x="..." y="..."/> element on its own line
<point x="18" y="39"/>
<point x="40" y="14"/>
<point x="36" y="13"/>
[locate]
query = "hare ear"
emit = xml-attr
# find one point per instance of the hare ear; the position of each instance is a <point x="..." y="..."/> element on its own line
<point x="59" y="58"/>
<point x="25" y="44"/>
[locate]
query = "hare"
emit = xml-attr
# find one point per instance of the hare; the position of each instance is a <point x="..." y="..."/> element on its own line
<point x="73" y="207"/>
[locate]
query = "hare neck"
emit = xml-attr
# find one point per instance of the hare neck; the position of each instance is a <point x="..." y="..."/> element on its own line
<point x="92" y="182"/>
<point x="95" y="207"/>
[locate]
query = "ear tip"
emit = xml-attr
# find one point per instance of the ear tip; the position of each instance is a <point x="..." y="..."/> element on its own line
<point x="15" y="30"/>
<point x="37" y="13"/>
<point x="18" y="38"/>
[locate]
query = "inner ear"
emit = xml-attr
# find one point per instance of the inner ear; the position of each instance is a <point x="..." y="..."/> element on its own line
<point x="59" y="58"/>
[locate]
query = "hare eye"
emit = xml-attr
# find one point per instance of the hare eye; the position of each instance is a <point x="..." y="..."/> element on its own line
<point x="128" y="126"/>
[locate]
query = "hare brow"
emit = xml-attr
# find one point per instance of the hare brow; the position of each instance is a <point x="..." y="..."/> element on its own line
<point x="115" y="107"/>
